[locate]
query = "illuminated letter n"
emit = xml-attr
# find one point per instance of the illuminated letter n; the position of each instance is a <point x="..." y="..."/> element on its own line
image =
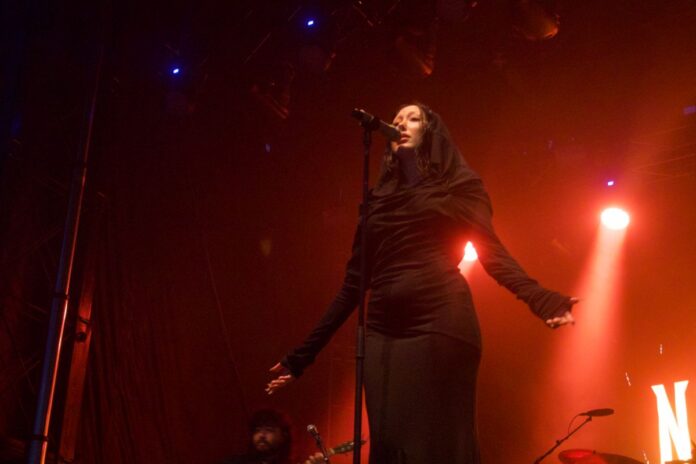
<point x="671" y="426"/>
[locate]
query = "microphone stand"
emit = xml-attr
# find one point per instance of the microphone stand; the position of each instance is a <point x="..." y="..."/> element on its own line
<point x="368" y="127"/>
<point x="559" y="442"/>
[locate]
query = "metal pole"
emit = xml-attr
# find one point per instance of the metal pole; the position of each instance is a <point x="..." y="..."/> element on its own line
<point x="360" y="342"/>
<point x="72" y="405"/>
<point x="38" y="445"/>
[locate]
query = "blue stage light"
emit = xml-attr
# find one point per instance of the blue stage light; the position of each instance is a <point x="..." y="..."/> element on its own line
<point x="310" y="22"/>
<point x="176" y="71"/>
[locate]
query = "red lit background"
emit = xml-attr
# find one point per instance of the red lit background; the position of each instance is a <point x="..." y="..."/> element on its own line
<point x="224" y="229"/>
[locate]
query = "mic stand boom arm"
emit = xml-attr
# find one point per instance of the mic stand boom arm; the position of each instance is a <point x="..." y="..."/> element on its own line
<point x="559" y="442"/>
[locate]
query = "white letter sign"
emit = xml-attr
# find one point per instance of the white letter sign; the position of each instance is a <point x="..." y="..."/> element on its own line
<point x="671" y="425"/>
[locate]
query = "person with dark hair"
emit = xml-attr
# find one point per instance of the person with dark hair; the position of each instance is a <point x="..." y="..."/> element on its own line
<point x="423" y="340"/>
<point x="270" y="440"/>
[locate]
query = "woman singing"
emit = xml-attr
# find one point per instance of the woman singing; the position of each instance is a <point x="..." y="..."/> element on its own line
<point x="423" y="340"/>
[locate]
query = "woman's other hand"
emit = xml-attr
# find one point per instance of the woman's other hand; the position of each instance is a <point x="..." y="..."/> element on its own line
<point x="566" y="318"/>
<point x="283" y="378"/>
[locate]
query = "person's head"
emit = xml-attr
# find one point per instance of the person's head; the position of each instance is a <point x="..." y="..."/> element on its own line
<point x="428" y="140"/>
<point x="270" y="434"/>
<point x="414" y="121"/>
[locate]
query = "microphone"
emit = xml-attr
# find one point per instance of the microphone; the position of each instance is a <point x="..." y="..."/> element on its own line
<point x="372" y="122"/>
<point x="312" y="429"/>
<point x="597" y="412"/>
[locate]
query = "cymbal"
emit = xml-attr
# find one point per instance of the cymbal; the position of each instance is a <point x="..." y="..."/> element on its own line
<point x="584" y="456"/>
<point x="571" y="456"/>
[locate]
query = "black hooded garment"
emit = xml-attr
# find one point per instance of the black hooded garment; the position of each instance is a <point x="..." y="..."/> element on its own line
<point x="423" y="338"/>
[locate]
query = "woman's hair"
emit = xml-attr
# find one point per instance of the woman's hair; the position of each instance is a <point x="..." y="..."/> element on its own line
<point x="438" y="159"/>
<point x="390" y="163"/>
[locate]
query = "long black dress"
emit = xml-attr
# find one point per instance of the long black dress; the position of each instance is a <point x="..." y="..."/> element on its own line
<point x="423" y="339"/>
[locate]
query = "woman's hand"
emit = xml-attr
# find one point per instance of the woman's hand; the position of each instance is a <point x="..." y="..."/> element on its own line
<point x="566" y="318"/>
<point x="316" y="458"/>
<point x="283" y="377"/>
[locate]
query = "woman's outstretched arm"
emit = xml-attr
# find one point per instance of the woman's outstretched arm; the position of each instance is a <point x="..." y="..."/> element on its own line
<point x="295" y="362"/>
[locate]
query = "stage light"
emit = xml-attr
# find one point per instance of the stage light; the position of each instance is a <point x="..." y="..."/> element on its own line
<point x="470" y="254"/>
<point x="610" y="183"/>
<point x="273" y="88"/>
<point x="316" y="58"/>
<point x="615" y="218"/>
<point x="600" y="289"/>
<point x="533" y="21"/>
<point x="416" y="47"/>
<point x="467" y="263"/>
<point x="317" y="46"/>
<point x="176" y="71"/>
<point x="455" y="11"/>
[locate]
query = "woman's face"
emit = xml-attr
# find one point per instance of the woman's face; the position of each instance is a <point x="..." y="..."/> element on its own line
<point x="411" y="123"/>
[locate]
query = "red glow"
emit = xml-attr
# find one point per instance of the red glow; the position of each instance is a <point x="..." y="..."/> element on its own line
<point x="470" y="252"/>
<point x="341" y="407"/>
<point x="470" y="257"/>
<point x="589" y="345"/>
<point x="615" y="218"/>
<point x="571" y="456"/>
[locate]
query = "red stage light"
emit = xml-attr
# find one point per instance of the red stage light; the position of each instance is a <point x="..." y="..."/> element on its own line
<point x="470" y="257"/>
<point x="615" y="218"/>
<point x="470" y="252"/>
<point x="590" y="346"/>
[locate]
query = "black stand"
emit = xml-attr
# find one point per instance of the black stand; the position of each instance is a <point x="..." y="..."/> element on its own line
<point x="558" y="442"/>
<point x="360" y="342"/>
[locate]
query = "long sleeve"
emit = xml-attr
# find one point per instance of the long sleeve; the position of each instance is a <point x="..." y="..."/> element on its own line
<point x="336" y="314"/>
<point x="471" y="207"/>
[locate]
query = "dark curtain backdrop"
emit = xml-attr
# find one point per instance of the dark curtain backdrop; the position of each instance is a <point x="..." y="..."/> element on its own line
<point x="216" y="259"/>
